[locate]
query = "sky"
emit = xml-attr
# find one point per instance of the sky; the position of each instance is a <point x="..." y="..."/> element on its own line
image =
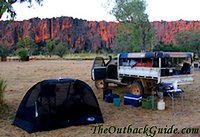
<point x="98" y="10"/>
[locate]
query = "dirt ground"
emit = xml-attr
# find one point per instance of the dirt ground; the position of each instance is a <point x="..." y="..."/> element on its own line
<point x="21" y="76"/>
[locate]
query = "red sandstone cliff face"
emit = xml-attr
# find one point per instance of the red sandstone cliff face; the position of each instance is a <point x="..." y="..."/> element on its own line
<point x="77" y="33"/>
<point x="166" y="31"/>
<point x="81" y="33"/>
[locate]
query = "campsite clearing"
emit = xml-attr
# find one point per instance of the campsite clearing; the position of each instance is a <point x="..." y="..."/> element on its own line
<point x="21" y="76"/>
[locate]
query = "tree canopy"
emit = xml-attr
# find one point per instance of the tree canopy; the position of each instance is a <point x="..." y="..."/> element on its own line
<point x="162" y="46"/>
<point x="135" y="32"/>
<point x="6" y="6"/>
<point x="189" y="40"/>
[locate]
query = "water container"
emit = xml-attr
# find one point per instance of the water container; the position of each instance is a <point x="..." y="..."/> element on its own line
<point x="116" y="101"/>
<point x="161" y="105"/>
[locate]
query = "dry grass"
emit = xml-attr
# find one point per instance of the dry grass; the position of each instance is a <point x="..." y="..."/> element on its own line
<point x="21" y="76"/>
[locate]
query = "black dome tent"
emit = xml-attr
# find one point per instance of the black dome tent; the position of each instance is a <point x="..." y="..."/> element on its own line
<point x="57" y="103"/>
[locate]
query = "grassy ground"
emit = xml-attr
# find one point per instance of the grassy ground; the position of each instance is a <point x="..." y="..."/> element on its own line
<point x="78" y="56"/>
<point x="21" y="76"/>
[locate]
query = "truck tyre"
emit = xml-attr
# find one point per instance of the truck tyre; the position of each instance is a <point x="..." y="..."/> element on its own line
<point x="101" y="84"/>
<point x="137" y="88"/>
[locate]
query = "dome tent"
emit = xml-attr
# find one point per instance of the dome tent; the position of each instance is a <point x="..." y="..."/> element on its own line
<point x="57" y="103"/>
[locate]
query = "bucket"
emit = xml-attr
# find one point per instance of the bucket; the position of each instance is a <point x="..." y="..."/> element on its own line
<point x="116" y="101"/>
<point x="161" y="105"/>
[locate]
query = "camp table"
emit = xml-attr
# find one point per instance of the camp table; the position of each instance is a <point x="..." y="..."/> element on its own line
<point x="171" y="93"/>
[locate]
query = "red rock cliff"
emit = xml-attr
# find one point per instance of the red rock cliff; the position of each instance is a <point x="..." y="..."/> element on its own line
<point x="81" y="33"/>
<point x="76" y="32"/>
<point x="166" y="31"/>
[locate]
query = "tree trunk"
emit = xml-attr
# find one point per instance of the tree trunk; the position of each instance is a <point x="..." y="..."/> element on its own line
<point x="143" y="48"/>
<point x="3" y="59"/>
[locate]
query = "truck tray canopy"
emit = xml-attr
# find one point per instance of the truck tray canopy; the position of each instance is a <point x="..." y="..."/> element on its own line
<point x="156" y="55"/>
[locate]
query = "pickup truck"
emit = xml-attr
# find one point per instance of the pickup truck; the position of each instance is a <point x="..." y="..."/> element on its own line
<point x="144" y="71"/>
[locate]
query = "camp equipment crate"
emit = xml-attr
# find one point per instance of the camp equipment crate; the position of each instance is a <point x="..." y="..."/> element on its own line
<point x="134" y="100"/>
<point x="149" y="102"/>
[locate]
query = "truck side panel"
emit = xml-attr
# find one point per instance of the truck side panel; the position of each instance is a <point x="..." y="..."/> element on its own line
<point x="139" y="72"/>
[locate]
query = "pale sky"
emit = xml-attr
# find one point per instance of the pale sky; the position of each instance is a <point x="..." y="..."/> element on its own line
<point x="94" y="10"/>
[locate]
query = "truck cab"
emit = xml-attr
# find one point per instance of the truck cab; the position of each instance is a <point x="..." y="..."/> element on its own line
<point x="142" y="71"/>
<point x="104" y="70"/>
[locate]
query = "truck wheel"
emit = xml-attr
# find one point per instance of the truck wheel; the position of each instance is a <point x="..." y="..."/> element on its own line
<point x="137" y="88"/>
<point x="101" y="84"/>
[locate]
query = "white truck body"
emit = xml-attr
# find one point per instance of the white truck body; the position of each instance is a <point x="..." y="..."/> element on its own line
<point x="146" y="67"/>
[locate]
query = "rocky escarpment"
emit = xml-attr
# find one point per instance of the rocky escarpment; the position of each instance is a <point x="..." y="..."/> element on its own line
<point x="166" y="31"/>
<point x="76" y="32"/>
<point x="81" y="33"/>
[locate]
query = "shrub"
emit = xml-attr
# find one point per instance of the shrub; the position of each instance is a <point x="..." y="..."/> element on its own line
<point x="61" y="49"/>
<point x="3" y="86"/>
<point x="50" y="46"/>
<point x="23" y="54"/>
<point x="4" y="51"/>
<point x="161" y="46"/>
<point x="28" y="43"/>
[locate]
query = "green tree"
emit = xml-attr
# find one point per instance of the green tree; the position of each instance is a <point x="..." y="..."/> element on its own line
<point x="28" y="43"/>
<point x="6" y="6"/>
<point x="161" y="46"/>
<point x="50" y="46"/>
<point x="135" y="32"/>
<point x="61" y="49"/>
<point x="189" y="40"/>
<point x="23" y="54"/>
<point x="4" y="51"/>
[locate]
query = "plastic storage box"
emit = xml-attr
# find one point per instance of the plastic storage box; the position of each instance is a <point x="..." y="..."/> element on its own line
<point x="134" y="100"/>
<point x="106" y="92"/>
<point x="108" y="96"/>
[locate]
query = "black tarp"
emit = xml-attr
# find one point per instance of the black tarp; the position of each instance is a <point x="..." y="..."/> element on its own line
<point x="57" y="103"/>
